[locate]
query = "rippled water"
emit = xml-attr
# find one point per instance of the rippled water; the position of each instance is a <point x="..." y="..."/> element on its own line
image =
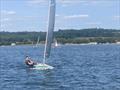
<point x="76" y="67"/>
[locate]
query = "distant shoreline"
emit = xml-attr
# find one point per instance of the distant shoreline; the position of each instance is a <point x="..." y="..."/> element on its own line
<point x="82" y="36"/>
<point x="92" y="43"/>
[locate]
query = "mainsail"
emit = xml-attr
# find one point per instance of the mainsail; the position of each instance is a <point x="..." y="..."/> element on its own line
<point x="37" y="41"/>
<point x="49" y="36"/>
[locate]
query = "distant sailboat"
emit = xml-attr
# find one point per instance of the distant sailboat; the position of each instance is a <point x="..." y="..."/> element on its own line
<point x="13" y="44"/>
<point x="49" y="37"/>
<point x="38" y="40"/>
<point x="56" y="44"/>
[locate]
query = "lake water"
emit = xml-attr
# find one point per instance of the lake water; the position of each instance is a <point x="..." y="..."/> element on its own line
<point x="76" y="67"/>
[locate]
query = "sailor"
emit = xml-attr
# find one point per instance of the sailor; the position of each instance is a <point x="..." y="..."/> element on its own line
<point x="29" y="61"/>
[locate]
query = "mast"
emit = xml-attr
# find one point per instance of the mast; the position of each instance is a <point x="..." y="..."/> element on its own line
<point x="50" y="29"/>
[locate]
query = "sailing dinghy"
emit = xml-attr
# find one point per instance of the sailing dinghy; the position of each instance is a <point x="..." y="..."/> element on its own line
<point x="38" y="41"/>
<point x="49" y="37"/>
<point x="56" y="43"/>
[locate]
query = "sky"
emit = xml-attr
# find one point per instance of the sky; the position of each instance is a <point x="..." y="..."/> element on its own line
<point x="32" y="15"/>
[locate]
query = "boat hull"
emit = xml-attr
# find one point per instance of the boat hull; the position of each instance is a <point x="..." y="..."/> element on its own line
<point x="42" y="66"/>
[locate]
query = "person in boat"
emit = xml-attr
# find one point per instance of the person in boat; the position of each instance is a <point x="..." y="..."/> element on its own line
<point x="29" y="61"/>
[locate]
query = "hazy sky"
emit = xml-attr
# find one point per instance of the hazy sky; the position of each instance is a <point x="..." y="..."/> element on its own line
<point x="32" y="15"/>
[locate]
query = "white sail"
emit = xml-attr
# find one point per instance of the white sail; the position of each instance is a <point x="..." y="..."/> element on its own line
<point x="37" y="41"/>
<point x="49" y="36"/>
<point x="56" y="44"/>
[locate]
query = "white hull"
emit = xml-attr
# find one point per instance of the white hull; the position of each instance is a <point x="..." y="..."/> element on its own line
<point x="42" y="66"/>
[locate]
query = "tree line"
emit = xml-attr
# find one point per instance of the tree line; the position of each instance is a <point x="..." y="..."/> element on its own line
<point x="63" y="36"/>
